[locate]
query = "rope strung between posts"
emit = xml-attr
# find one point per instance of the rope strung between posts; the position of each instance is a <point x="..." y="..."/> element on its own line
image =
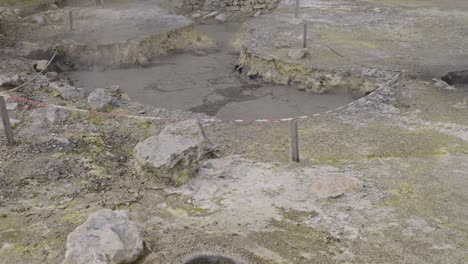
<point x="205" y="120"/>
<point x="35" y="76"/>
<point x="351" y="60"/>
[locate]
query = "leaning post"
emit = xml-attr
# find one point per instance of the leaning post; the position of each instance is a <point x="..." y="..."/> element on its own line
<point x="70" y="19"/>
<point x="296" y="15"/>
<point x="6" y="122"/>
<point x="401" y="86"/>
<point x="304" y="45"/>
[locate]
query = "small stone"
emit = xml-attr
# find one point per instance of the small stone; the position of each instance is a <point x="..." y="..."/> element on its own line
<point x="297" y="54"/>
<point x="222" y="18"/>
<point x="56" y="115"/>
<point x="10" y="82"/>
<point x="40" y="65"/>
<point x="200" y="52"/>
<point x="100" y="99"/>
<point x="67" y="91"/>
<point x="211" y="15"/>
<point x="52" y="76"/>
<point x="440" y="84"/>
<point x="11" y="106"/>
<point x="53" y="7"/>
<point x="370" y="72"/>
<point x="443" y="85"/>
<point x="334" y="186"/>
<point x="281" y="44"/>
<point x="196" y="15"/>
<point x="258" y="13"/>
<point x="38" y="19"/>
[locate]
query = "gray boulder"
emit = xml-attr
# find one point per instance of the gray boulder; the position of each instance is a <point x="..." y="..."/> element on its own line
<point x="174" y="154"/>
<point x="107" y="237"/>
<point x="40" y="117"/>
<point x="67" y="91"/>
<point x="102" y="99"/>
<point x="297" y="54"/>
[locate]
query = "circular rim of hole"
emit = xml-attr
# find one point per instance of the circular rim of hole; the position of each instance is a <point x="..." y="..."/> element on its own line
<point x="210" y="259"/>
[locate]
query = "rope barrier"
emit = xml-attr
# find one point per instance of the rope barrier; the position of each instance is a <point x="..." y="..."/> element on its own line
<point x="204" y="120"/>
<point x="35" y="76"/>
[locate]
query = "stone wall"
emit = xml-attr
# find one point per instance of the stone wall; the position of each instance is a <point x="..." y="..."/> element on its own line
<point x="231" y="6"/>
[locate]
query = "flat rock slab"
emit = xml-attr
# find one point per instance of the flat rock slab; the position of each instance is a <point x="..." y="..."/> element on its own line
<point x="426" y="37"/>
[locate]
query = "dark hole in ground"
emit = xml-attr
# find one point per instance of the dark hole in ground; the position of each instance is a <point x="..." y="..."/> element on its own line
<point x="456" y="78"/>
<point x="211" y="260"/>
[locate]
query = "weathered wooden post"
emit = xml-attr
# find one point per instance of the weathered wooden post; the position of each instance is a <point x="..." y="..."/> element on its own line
<point x="304" y="45"/>
<point x="203" y="133"/>
<point x="401" y="86"/>
<point x="70" y="20"/>
<point x="294" y="141"/>
<point x="297" y="9"/>
<point x="6" y="122"/>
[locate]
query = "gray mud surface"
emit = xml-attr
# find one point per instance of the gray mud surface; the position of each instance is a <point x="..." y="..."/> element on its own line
<point x="204" y="81"/>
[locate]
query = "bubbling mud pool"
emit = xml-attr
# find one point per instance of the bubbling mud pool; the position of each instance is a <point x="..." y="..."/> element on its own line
<point x="204" y="81"/>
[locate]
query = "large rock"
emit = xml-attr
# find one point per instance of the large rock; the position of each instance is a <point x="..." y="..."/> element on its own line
<point x="101" y="99"/>
<point x="174" y="154"/>
<point x="107" y="237"/>
<point x="67" y="91"/>
<point x="334" y="186"/>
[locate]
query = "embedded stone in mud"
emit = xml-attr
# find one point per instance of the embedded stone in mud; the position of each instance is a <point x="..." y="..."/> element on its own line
<point x="303" y="76"/>
<point x="211" y="259"/>
<point x="334" y="186"/>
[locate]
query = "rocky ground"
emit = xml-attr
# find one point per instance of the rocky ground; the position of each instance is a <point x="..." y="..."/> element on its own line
<point x="380" y="181"/>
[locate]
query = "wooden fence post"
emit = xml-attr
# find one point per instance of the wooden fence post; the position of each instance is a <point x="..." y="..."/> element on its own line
<point x="297" y="9"/>
<point x="304" y="45"/>
<point x="70" y="19"/>
<point x="203" y="133"/>
<point x="6" y="122"/>
<point x="294" y="141"/>
<point x="401" y="85"/>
